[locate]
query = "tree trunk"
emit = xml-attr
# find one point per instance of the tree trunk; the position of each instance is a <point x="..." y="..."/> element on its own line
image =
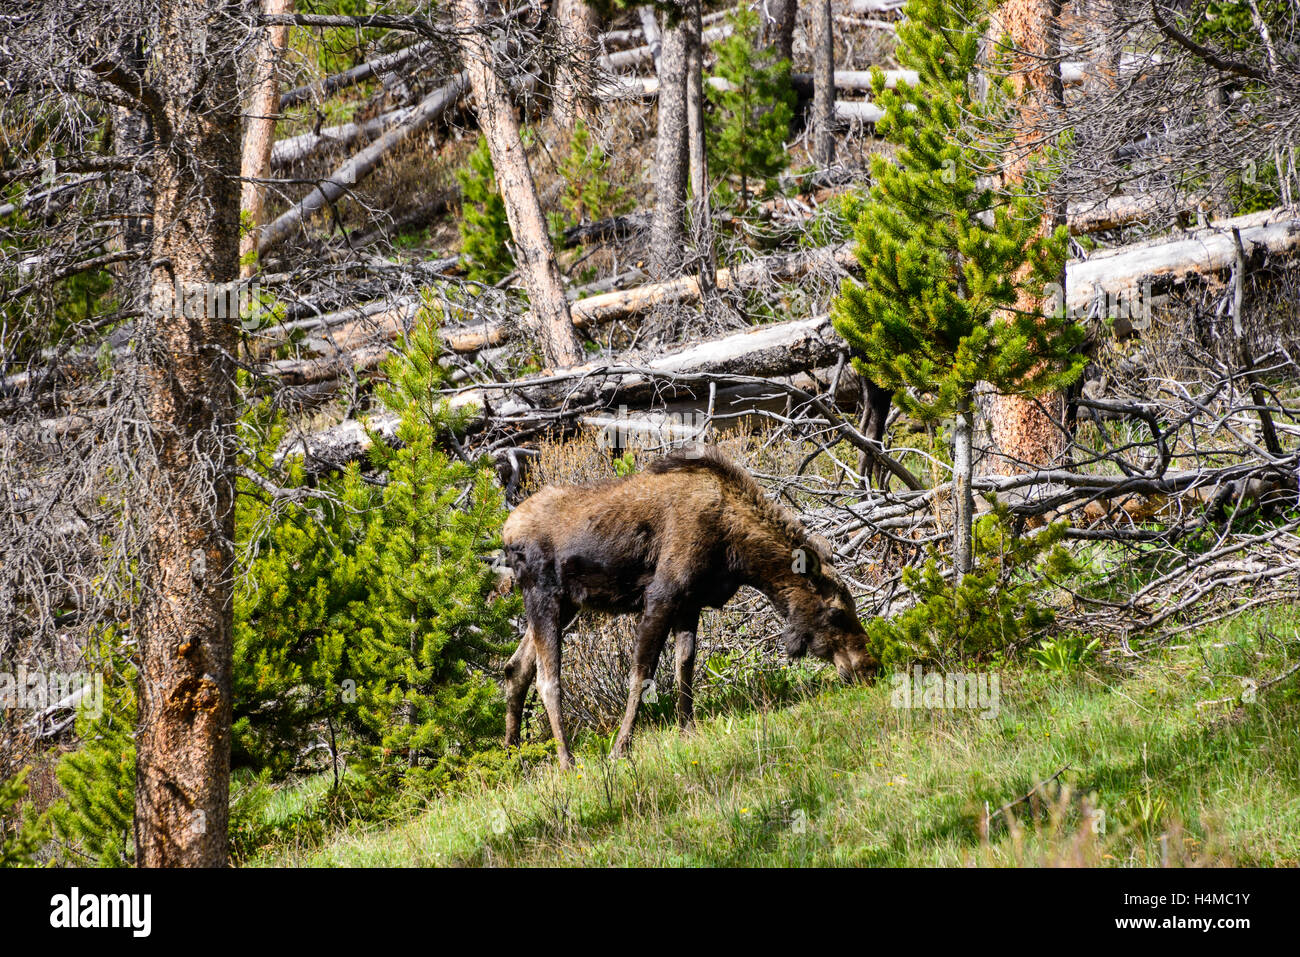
<point x="183" y="625"/>
<point x="701" y="214"/>
<point x="650" y="29"/>
<point x="668" y="228"/>
<point x="259" y="132"/>
<point x="963" y="499"/>
<point x="779" y="18"/>
<point x="1025" y="434"/>
<point x="823" y="110"/>
<point x="577" y="33"/>
<point x="132" y="136"/>
<point x="533" y="252"/>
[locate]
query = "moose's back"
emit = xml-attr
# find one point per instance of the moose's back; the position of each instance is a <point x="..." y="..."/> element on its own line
<point x="604" y="544"/>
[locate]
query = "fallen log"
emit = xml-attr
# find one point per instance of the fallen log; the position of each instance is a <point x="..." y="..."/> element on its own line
<point x="327" y="87"/>
<point x="645" y="54"/>
<point x="1159" y="263"/>
<point x="633" y="35"/>
<point x="336" y="334"/>
<point x="625" y="303"/>
<point x="1114" y="273"/>
<point x="362" y="164"/>
<point x="1114" y="211"/>
<point x="858" y="111"/>
<point x="295" y="149"/>
<point x="866" y="24"/>
<point x="613" y="227"/>
<point x="876" y="6"/>
<point x="769" y="352"/>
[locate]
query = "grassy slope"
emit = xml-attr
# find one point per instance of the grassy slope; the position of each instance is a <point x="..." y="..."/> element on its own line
<point x="844" y="778"/>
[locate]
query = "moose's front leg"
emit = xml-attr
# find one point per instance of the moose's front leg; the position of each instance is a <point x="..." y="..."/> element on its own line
<point x="650" y="637"/>
<point x="546" y="621"/>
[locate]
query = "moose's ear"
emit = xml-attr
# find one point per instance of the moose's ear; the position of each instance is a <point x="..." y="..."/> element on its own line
<point x="823" y="547"/>
<point x="807" y="561"/>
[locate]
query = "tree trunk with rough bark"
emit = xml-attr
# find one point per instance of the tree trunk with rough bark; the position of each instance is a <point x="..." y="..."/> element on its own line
<point x="577" y="33"/>
<point x="668" y="227"/>
<point x="823" y="109"/>
<point x="133" y="136"/>
<point x="534" y="254"/>
<point x="701" y="215"/>
<point x="183" y="627"/>
<point x="779" y="17"/>
<point x="1024" y="434"/>
<point x="259" y="132"/>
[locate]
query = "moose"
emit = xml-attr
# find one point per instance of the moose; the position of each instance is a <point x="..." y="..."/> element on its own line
<point x="683" y="535"/>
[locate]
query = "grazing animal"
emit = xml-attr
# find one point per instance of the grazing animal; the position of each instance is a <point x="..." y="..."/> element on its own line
<point x="683" y="535"/>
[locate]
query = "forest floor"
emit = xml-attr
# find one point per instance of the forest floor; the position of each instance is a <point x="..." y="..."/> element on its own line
<point x="1118" y="764"/>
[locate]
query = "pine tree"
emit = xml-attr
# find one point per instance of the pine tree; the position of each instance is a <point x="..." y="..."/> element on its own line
<point x="588" y="194"/>
<point x="484" y="230"/>
<point x="96" y="814"/>
<point x="752" y="112"/>
<point x="297" y="611"/>
<point x="435" y="622"/>
<point x="373" y="620"/>
<point x="992" y="611"/>
<point x="22" y="830"/>
<point x="365" y="615"/>
<point x="942" y="249"/>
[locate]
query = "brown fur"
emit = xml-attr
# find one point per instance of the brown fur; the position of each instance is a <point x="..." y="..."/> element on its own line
<point x="683" y="535"/>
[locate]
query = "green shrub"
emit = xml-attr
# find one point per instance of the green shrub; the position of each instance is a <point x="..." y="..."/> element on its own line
<point x="588" y="195"/>
<point x="22" y="831"/>
<point x="484" y="230"/>
<point x="747" y="132"/>
<point x="96" y="814"/>
<point x="365" y="618"/>
<point x="371" y="621"/>
<point x="993" y="610"/>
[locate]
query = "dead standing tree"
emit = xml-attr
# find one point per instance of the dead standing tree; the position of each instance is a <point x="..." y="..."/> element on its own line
<point x="823" y="109"/>
<point x="184" y="628"/>
<point x="259" y="130"/>
<point x="127" y="530"/>
<point x="577" y="34"/>
<point x="533" y="251"/>
<point x="1026" y="433"/>
<point x="668" y="227"/>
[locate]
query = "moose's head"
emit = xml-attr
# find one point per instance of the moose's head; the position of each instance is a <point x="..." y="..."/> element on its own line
<point x="823" y="621"/>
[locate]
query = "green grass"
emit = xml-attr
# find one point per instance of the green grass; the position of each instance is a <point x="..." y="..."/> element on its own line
<point x="843" y="778"/>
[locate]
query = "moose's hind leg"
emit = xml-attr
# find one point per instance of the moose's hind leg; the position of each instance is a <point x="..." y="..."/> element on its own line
<point x="521" y="669"/>
<point x="650" y="637"/>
